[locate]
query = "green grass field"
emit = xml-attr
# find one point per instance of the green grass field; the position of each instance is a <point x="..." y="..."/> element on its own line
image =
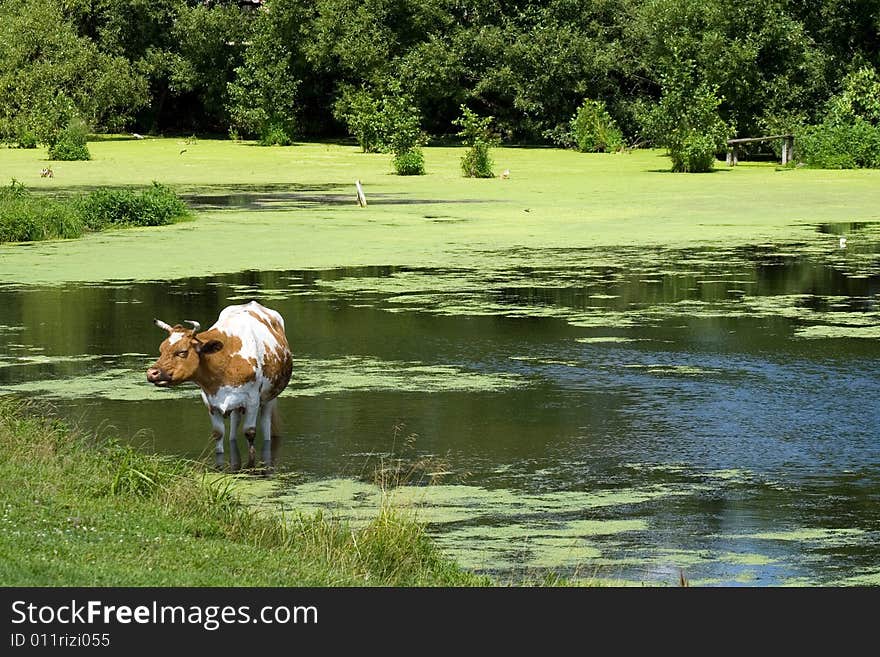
<point x="553" y="200"/>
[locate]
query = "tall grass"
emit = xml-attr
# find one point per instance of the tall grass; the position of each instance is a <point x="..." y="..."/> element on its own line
<point x="25" y="217"/>
<point x="28" y="217"/>
<point x="78" y="510"/>
<point x="157" y="205"/>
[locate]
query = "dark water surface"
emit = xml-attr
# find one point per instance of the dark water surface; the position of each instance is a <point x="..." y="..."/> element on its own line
<point x="618" y="414"/>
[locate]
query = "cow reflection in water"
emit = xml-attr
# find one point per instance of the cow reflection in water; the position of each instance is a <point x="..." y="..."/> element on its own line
<point x="241" y="364"/>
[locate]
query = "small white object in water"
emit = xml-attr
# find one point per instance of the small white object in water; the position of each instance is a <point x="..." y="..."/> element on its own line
<point x="842" y="242"/>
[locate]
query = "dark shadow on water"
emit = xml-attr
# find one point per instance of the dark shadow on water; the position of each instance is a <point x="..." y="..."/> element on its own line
<point x="844" y="227"/>
<point x="256" y="201"/>
<point x="700" y="173"/>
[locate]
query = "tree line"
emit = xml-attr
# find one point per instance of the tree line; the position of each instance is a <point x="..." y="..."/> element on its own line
<point x="284" y="69"/>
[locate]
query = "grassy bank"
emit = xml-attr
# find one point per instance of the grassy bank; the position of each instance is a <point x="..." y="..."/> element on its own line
<point x="27" y="217"/>
<point x="82" y="512"/>
<point x="553" y="203"/>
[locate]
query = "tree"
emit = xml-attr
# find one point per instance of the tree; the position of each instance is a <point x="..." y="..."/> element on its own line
<point x="686" y="121"/>
<point x="263" y="96"/>
<point x="49" y="75"/>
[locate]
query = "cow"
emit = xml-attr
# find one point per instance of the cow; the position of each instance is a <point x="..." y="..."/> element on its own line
<point x="241" y="364"/>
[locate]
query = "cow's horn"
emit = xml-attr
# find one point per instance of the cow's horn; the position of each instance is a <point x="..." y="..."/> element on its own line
<point x="196" y="325"/>
<point x="163" y="325"/>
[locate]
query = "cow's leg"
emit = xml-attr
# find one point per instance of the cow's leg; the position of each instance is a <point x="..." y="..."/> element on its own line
<point x="266" y="413"/>
<point x="234" y="456"/>
<point x="218" y="427"/>
<point x="250" y="431"/>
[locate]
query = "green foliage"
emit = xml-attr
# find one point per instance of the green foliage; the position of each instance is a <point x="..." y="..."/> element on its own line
<point x="593" y="130"/>
<point x="841" y="145"/>
<point x="25" y="218"/>
<point x="25" y="139"/>
<point x="477" y="163"/>
<point x="274" y="74"/>
<point x="158" y="205"/>
<point x="849" y="136"/>
<point x="409" y="163"/>
<point x="28" y="217"/>
<point x="276" y="133"/>
<point x="477" y="134"/>
<point x="49" y="74"/>
<point x="859" y="98"/>
<point x="687" y="123"/>
<point x="71" y="144"/>
<point x="402" y="123"/>
<point x="208" y="45"/>
<point x="263" y="95"/>
<point x="362" y="114"/>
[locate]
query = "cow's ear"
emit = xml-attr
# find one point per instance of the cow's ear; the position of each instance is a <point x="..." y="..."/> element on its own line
<point x="209" y="347"/>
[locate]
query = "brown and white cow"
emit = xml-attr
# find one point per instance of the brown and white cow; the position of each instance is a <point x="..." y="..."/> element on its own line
<point x="241" y="364"/>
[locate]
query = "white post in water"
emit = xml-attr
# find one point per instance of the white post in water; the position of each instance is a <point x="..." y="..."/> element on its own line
<point x="362" y="200"/>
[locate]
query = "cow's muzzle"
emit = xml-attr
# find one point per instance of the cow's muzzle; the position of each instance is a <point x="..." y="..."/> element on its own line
<point x="158" y="377"/>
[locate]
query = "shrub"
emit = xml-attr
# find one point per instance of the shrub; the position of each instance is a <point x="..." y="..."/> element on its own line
<point x="687" y="123"/>
<point x="593" y="130"/>
<point x="275" y="133"/>
<point x="155" y="206"/>
<point x="410" y="163"/>
<point x="71" y="143"/>
<point x="25" y="218"/>
<point x="476" y="133"/>
<point x="477" y="163"/>
<point x="402" y="120"/>
<point x="694" y="153"/>
<point x="160" y="205"/>
<point x="26" y="139"/>
<point x="849" y="137"/>
<point x="839" y="145"/>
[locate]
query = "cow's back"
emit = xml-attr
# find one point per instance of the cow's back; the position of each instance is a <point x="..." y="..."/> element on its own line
<point x="263" y="342"/>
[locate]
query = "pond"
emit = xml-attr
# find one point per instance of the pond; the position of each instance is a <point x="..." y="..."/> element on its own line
<point x="627" y="414"/>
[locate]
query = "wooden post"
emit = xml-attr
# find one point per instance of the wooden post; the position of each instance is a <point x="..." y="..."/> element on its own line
<point x="787" y="149"/>
<point x="361" y="198"/>
<point x="732" y="156"/>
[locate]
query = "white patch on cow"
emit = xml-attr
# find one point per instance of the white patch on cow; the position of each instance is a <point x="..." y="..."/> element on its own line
<point x="176" y="337"/>
<point x="257" y="341"/>
<point x="229" y="398"/>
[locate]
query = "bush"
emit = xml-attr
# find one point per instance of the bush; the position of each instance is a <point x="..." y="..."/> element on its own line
<point x="402" y="121"/>
<point x="107" y="208"/>
<point x="839" y="145"/>
<point x="26" y="139"/>
<point x="687" y="123"/>
<point x="71" y="143"/>
<point x="25" y="218"/>
<point x="593" y="130"/>
<point x="410" y="163"/>
<point x="275" y="134"/>
<point x="476" y="133"/>
<point x="477" y="163"/>
<point x="695" y="153"/>
<point x="849" y="136"/>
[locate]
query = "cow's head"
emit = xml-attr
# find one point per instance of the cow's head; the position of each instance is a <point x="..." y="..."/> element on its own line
<point x="181" y="352"/>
